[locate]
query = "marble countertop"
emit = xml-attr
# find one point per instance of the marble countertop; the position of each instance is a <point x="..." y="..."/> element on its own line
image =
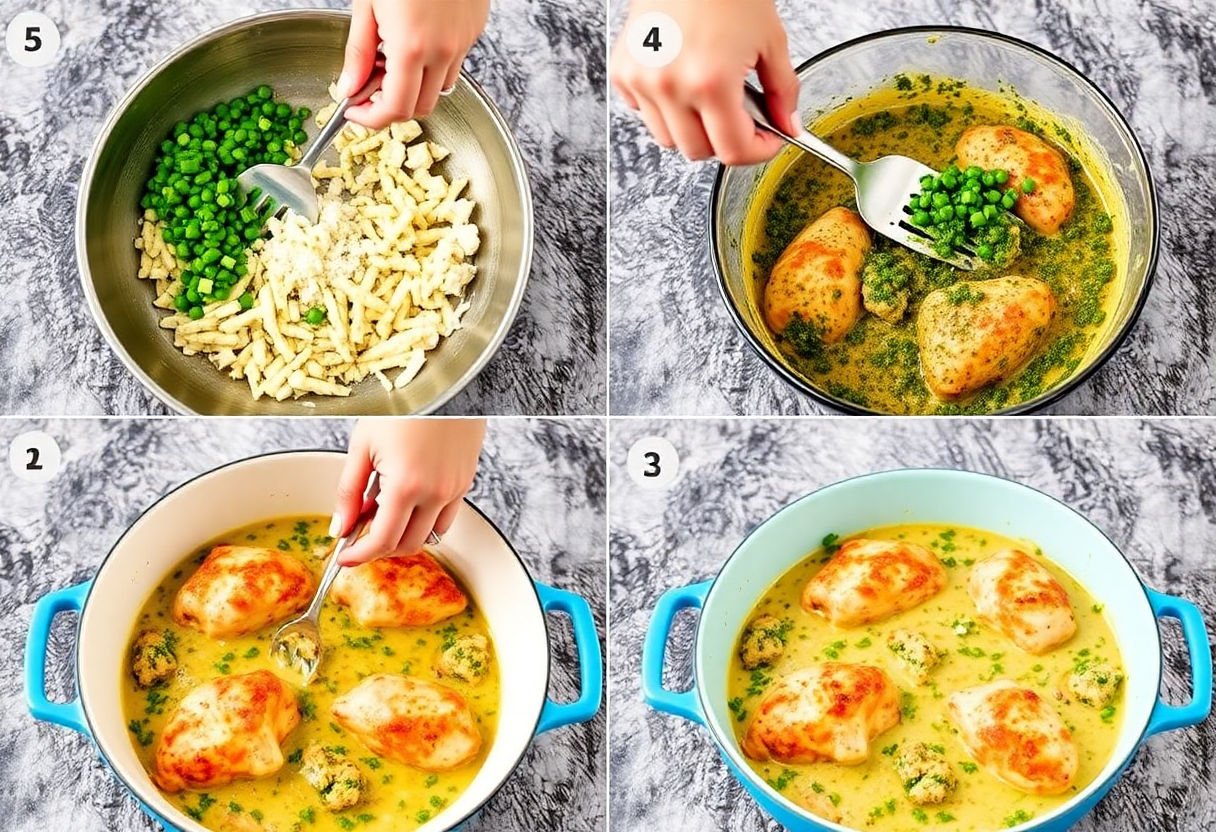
<point x="541" y="61"/>
<point x="56" y="535"/>
<point x="1153" y="58"/>
<point x="1148" y="485"/>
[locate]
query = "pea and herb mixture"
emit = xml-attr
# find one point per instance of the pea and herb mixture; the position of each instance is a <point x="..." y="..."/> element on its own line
<point x="207" y="222"/>
<point x="963" y="209"/>
<point x="877" y="365"/>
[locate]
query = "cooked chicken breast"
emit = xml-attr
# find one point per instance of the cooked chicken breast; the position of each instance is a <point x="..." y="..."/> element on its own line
<point x="1016" y="595"/>
<point x="407" y="591"/>
<point x="1016" y="736"/>
<point x="818" y="277"/>
<point x="1024" y="155"/>
<point x="869" y="580"/>
<point x="978" y="332"/>
<point x="227" y="729"/>
<point x="240" y="589"/>
<point x="417" y="723"/>
<point x="829" y="711"/>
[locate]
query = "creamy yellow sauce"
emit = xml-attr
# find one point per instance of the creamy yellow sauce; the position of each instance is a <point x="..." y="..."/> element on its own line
<point x="870" y="796"/>
<point x="877" y="366"/>
<point x="396" y="797"/>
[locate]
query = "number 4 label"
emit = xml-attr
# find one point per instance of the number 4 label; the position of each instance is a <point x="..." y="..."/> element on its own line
<point x="653" y="462"/>
<point x="654" y="39"/>
<point x="32" y="39"/>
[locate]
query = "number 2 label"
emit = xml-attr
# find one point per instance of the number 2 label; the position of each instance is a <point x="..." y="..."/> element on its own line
<point x="34" y="456"/>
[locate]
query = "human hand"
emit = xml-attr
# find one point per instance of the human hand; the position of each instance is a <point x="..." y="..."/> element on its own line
<point x="426" y="466"/>
<point x="695" y="102"/>
<point x="424" y="45"/>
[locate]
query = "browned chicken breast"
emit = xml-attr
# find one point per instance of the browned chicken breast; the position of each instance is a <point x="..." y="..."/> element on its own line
<point x="1016" y="736"/>
<point x="407" y="591"/>
<point x="978" y="332"/>
<point x="417" y="723"/>
<point x="1024" y="155"/>
<point x="818" y="277"/>
<point x="240" y="589"/>
<point x="869" y="580"/>
<point x="227" y="729"/>
<point x="830" y="711"/>
<point x="1016" y="595"/>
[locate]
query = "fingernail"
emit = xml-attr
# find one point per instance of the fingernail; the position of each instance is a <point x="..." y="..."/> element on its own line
<point x="344" y="85"/>
<point x="335" y="525"/>
<point x="796" y="120"/>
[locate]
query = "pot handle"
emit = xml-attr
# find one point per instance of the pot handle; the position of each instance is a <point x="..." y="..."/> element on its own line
<point x="682" y="703"/>
<point x="68" y="714"/>
<point x="590" y="661"/>
<point x="1168" y="717"/>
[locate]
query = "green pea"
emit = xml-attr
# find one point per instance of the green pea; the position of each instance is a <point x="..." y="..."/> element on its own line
<point x="984" y="251"/>
<point x="920" y="218"/>
<point x="978" y="220"/>
<point x="246" y="301"/>
<point x="1028" y="185"/>
<point x="195" y="312"/>
<point x="1001" y="176"/>
<point x="315" y="316"/>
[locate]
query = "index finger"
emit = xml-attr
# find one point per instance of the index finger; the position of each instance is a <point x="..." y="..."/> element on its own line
<point x="397" y="97"/>
<point x="736" y="139"/>
<point x="394" y="508"/>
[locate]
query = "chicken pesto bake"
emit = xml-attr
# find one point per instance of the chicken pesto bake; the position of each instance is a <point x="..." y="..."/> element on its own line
<point x="394" y="726"/>
<point x="894" y="331"/>
<point x="926" y="675"/>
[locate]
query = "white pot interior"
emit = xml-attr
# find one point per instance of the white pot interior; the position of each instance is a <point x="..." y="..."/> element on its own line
<point x="931" y="496"/>
<point x="275" y="486"/>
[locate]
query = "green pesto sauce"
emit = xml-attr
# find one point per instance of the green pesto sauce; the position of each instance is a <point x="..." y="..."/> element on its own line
<point x="877" y="365"/>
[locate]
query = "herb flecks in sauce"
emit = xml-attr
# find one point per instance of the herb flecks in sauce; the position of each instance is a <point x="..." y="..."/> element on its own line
<point x="396" y="795"/>
<point x="871" y="796"/>
<point x="923" y="117"/>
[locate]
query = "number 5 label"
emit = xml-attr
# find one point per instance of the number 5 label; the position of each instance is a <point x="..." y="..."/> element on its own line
<point x="34" y="456"/>
<point x="654" y="39"/>
<point x="653" y="462"/>
<point x="32" y="39"/>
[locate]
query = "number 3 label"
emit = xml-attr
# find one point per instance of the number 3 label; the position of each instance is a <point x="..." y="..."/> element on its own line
<point x="32" y="39"/>
<point x="653" y="462"/>
<point x="34" y="456"/>
<point x="654" y="39"/>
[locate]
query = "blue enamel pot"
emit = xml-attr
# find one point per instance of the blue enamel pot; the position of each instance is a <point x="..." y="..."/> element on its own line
<point x="929" y="496"/>
<point x="299" y="483"/>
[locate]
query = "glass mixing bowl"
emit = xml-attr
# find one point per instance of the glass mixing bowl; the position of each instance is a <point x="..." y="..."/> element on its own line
<point x="986" y="60"/>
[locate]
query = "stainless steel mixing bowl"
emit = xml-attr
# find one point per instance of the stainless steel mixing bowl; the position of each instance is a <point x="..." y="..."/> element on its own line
<point x="298" y="53"/>
<point x="987" y="60"/>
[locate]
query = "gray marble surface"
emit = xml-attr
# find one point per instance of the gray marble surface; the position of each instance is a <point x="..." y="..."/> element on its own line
<point x="674" y="349"/>
<point x="1148" y="485"/>
<point x="541" y="61"/>
<point x="540" y="481"/>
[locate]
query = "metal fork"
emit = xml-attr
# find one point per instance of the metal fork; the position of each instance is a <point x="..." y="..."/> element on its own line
<point x="884" y="186"/>
<point x="297" y="644"/>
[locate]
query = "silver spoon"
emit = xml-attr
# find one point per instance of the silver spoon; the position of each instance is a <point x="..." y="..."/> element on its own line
<point x="290" y="186"/>
<point x="884" y="186"/>
<point x="297" y="644"/>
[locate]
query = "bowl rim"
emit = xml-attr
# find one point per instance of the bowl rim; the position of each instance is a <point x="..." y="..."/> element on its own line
<point x="1044" y="399"/>
<point x="1096" y="788"/>
<point x="88" y="172"/>
<point x="253" y="459"/>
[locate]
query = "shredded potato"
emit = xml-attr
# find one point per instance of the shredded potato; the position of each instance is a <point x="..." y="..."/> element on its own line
<point x="388" y="262"/>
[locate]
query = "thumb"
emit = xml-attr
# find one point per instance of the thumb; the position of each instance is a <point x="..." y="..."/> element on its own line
<point x="355" y="473"/>
<point x="361" y="45"/>
<point x="781" y="88"/>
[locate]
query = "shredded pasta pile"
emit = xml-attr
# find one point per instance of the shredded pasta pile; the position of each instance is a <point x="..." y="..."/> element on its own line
<point x="371" y="287"/>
